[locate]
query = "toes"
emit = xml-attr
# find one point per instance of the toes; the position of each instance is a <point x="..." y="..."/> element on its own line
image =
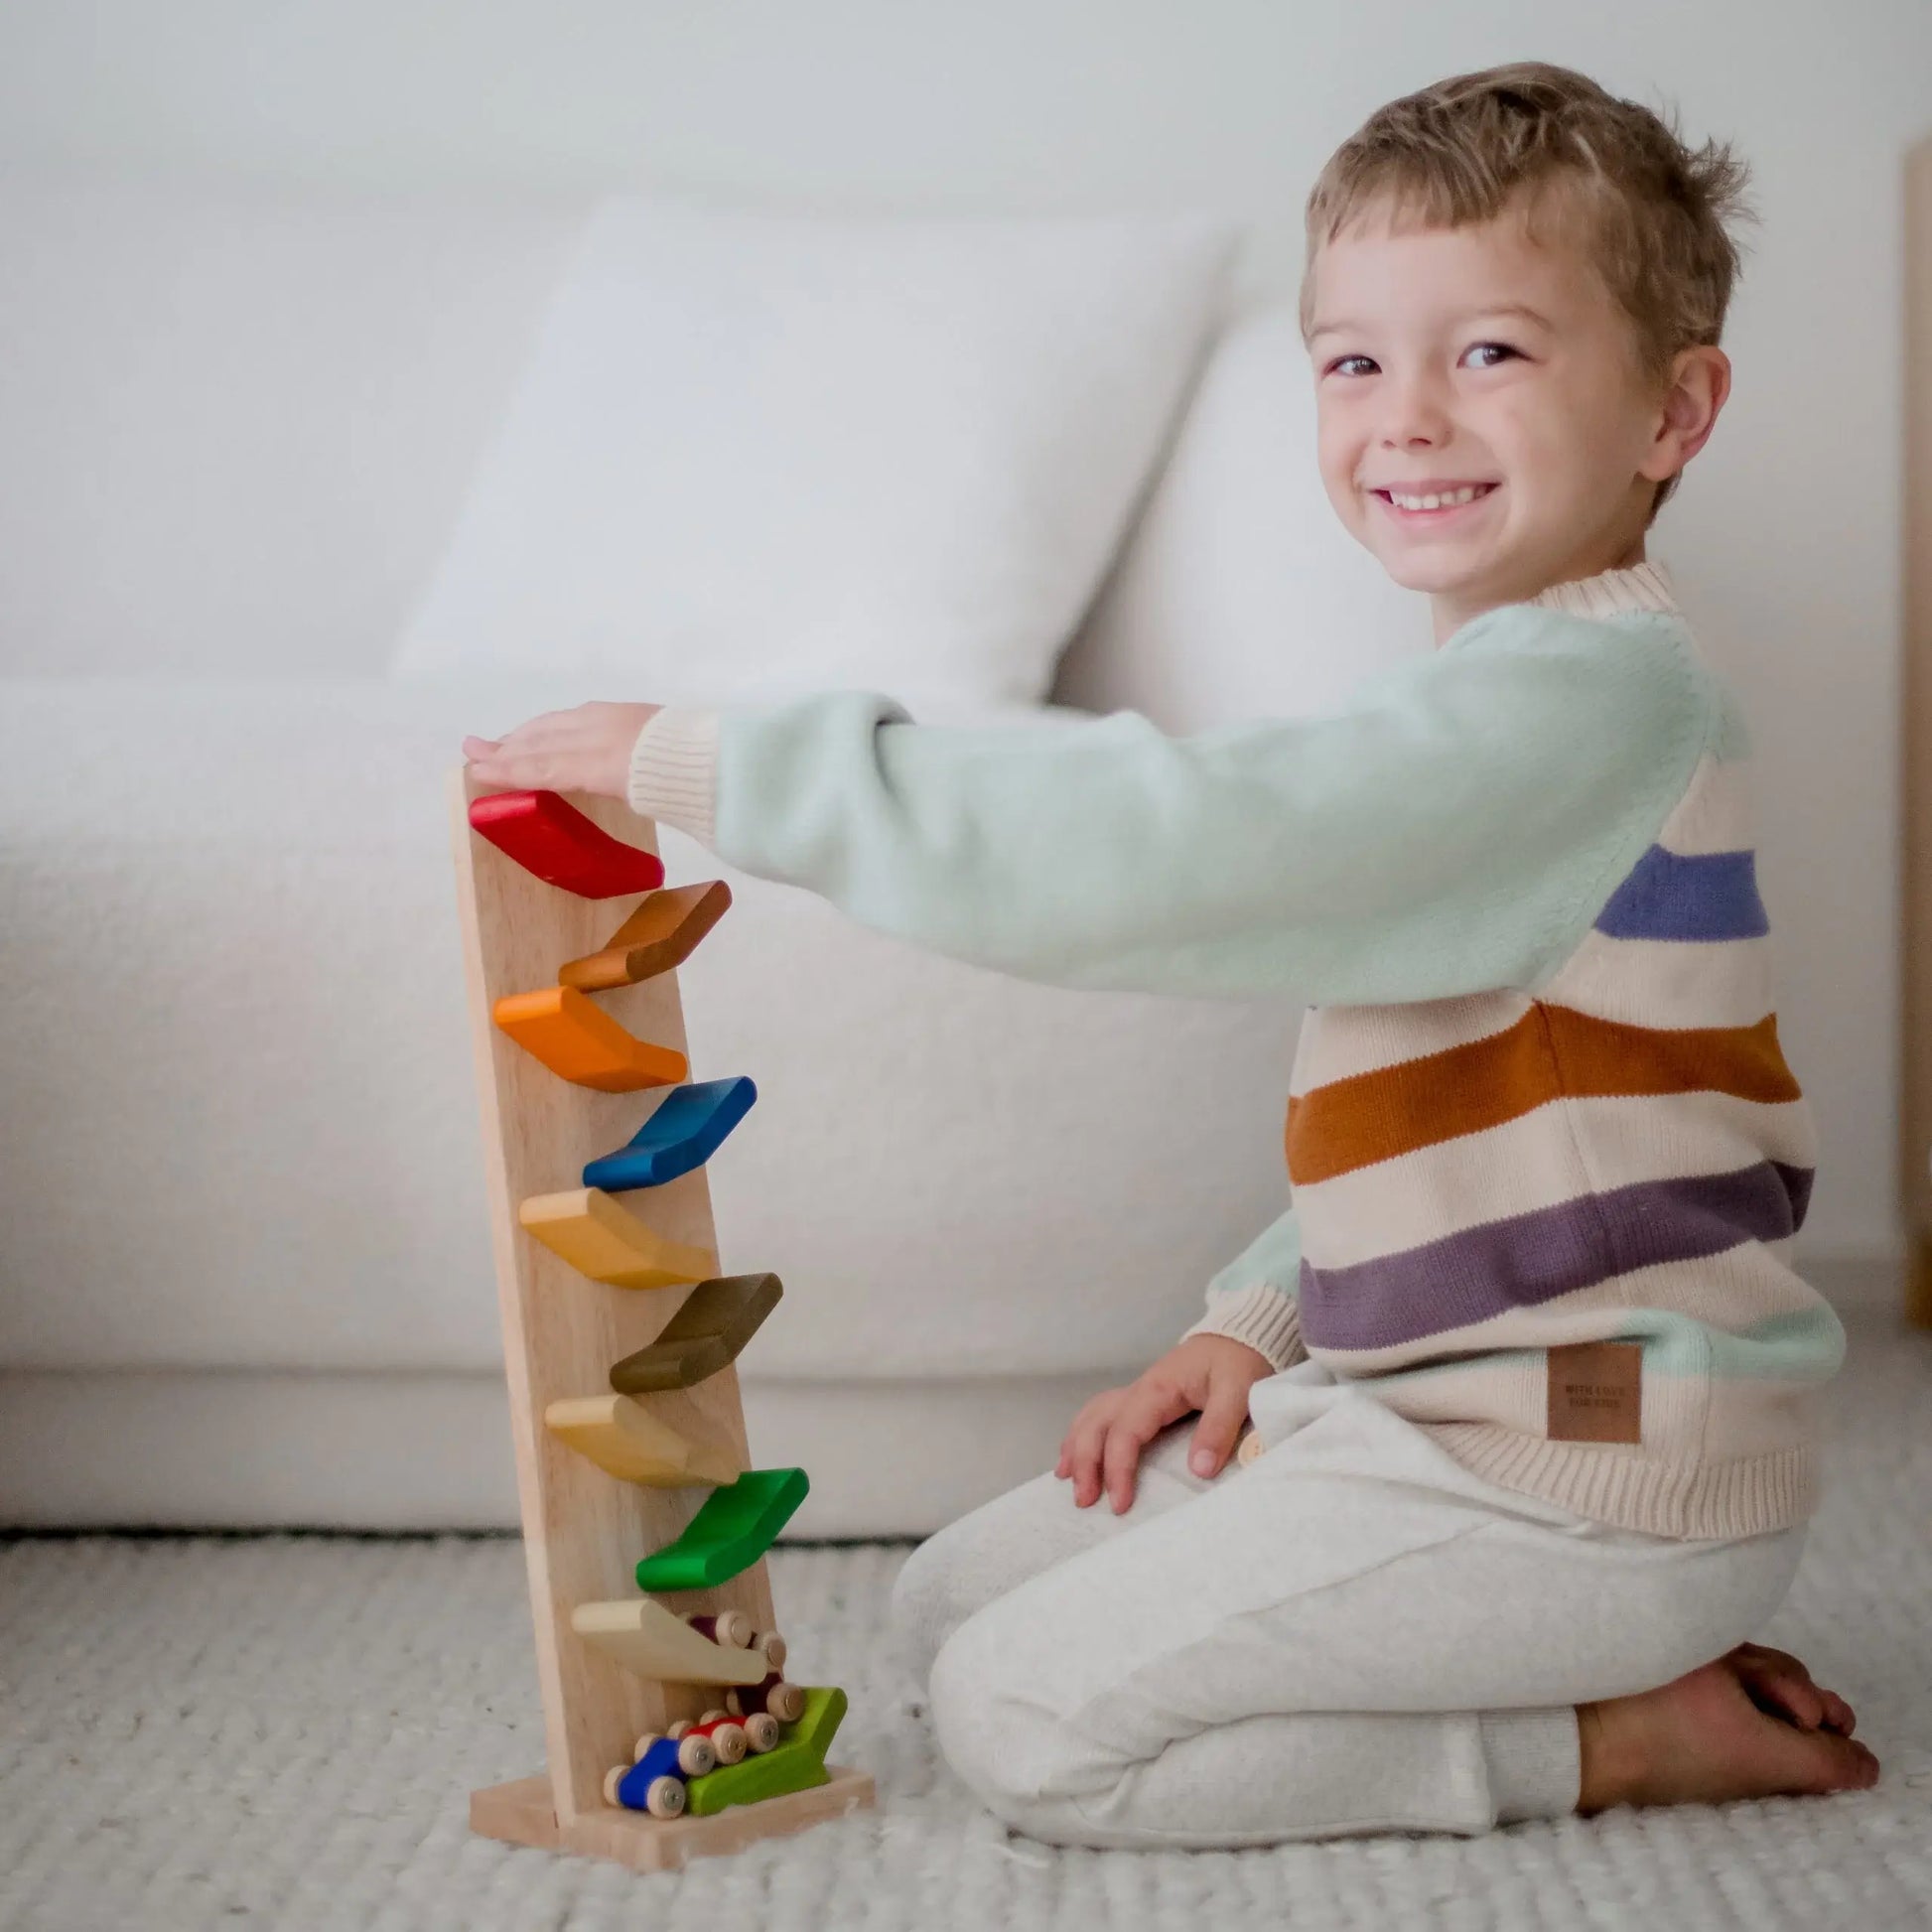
<point x="1852" y="1767"/>
<point x="1798" y="1704"/>
<point x="1838" y="1765"/>
<point x="1778" y="1683"/>
<point x="1803" y="1748"/>
<point x="1777" y="1666"/>
<point x="1781" y="1686"/>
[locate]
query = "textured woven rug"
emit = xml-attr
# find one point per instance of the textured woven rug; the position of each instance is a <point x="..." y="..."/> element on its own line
<point x="282" y="1731"/>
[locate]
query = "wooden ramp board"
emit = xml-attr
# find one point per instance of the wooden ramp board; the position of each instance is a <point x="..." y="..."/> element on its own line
<point x="555" y="842"/>
<point x="731" y="1531"/>
<point x="716" y="1319"/>
<point x="521" y="1813"/>
<point x="662" y="933"/>
<point x="583" y="1531"/>
<point x="688" y="1128"/>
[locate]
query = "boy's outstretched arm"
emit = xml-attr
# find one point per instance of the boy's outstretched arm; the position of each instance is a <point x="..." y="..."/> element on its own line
<point x="1454" y="828"/>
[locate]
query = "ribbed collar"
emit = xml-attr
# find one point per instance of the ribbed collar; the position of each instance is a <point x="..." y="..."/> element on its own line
<point x="1644" y="586"/>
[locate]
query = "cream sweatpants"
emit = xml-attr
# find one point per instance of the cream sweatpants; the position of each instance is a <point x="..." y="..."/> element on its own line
<point x="1350" y="1633"/>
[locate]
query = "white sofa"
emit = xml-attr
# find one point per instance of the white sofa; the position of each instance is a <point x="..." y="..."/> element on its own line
<point x="244" y="1272"/>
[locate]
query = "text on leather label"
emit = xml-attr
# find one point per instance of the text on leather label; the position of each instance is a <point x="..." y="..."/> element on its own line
<point x="1597" y="1392"/>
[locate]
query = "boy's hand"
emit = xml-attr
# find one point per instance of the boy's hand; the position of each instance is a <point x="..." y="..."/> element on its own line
<point x="1211" y="1373"/>
<point x="585" y="749"/>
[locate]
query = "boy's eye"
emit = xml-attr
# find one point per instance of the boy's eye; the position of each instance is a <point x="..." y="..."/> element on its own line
<point x="1494" y="354"/>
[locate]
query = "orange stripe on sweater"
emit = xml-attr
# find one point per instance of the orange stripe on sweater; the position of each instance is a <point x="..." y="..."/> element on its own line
<point x="1551" y="1054"/>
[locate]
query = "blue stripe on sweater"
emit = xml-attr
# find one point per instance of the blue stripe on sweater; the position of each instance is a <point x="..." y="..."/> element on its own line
<point x="1713" y="896"/>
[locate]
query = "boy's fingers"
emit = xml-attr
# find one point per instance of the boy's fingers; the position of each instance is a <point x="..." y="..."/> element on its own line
<point x="1076" y="1432"/>
<point x="1122" y="1457"/>
<point x="1084" y="1445"/>
<point x="1144" y="1413"/>
<point x="504" y="768"/>
<point x="534" y="735"/>
<point x="531" y="769"/>
<point x="1222" y="1415"/>
<point x="1090" y="1456"/>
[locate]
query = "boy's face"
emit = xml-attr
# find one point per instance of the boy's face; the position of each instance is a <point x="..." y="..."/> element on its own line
<point x="1430" y="379"/>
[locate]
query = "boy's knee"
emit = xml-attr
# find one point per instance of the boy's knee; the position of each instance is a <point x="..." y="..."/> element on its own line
<point x="916" y="1615"/>
<point x="984" y="1732"/>
<point x="1000" y="1725"/>
<point x="954" y="1572"/>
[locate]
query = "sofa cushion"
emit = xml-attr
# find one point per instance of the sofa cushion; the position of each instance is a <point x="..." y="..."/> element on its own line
<point x="758" y="455"/>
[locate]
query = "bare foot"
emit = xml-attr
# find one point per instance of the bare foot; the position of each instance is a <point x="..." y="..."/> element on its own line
<point x="1751" y="1725"/>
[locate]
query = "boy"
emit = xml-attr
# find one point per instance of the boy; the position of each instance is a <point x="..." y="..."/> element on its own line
<point x="1531" y="1376"/>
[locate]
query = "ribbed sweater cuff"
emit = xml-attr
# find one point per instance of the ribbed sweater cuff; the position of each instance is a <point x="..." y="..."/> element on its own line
<point x="1264" y="1316"/>
<point x="674" y="772"/>
<point x="1535" y="1761"/>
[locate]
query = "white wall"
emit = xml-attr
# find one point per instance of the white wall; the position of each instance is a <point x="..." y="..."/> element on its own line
<point x="1785" y="540"/>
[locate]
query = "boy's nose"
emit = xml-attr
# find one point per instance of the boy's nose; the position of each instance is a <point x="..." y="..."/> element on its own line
<point x="1417" y="431"/>
<point x="1416" y="416"/>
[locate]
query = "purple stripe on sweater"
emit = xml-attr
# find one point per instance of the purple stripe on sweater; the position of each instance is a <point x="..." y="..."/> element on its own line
<point x="1533" y="1258"/>
<point x="1797" y="1182"/>
<point x="1669" y="895"/>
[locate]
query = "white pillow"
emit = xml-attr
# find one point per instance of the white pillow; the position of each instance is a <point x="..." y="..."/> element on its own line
<point x="754" y="456"/>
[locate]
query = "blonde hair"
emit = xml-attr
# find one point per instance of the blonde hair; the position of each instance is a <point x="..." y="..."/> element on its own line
<point x="1654" y="215"/>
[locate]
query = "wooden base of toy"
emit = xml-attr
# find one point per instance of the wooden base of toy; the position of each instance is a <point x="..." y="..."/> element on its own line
<point x="524" y="1812"/>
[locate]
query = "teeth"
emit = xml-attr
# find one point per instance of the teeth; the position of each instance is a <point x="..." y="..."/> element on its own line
<point x="1466" y="495"/>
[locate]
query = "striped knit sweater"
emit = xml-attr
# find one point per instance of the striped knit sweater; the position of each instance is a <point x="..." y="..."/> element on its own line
<point x="1546" y="1156"/>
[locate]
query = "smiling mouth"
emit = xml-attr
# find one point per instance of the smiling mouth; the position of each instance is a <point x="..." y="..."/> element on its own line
<point x="1433" y="502"/>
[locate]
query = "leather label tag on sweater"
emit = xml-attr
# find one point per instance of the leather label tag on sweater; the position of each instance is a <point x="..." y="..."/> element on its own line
<point x="1597" y="1392"/>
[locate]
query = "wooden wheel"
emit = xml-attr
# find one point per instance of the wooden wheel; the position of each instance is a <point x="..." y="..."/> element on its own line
<point x="665" y="1798"/>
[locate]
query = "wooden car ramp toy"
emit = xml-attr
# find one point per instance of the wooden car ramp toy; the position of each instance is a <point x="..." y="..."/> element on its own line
<point x="619" y="1341"/>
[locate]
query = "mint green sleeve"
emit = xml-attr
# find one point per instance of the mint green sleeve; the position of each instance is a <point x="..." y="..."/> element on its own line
<point x="1456" y="828"/>
<point x="1253" y="1298"/>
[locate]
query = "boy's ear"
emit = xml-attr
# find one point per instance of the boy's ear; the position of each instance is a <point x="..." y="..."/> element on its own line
<point x="1699" y="383"/>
